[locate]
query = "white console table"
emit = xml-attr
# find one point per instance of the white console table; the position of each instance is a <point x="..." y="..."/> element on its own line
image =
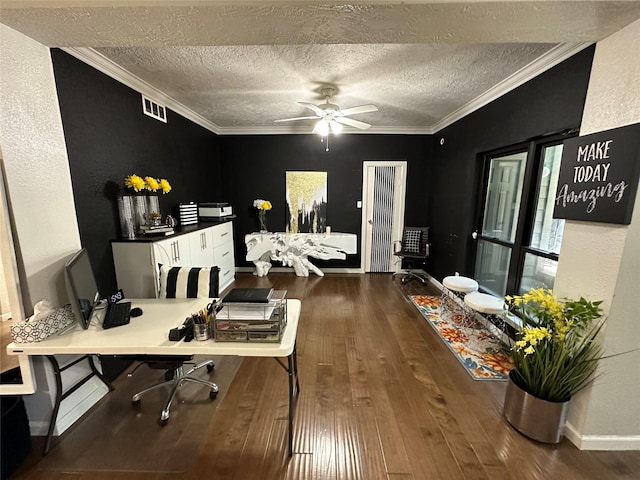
<point x="293" y="250"/>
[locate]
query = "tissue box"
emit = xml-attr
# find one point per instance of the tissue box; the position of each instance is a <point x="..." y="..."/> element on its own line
<point x="31" y="331"/>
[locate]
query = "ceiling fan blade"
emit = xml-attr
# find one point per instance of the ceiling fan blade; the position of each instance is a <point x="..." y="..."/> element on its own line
<point x="352" y="123"/>
<point x="359" y="109"/>
<point x="295" y="118"/>
<point x="313" y="107"/>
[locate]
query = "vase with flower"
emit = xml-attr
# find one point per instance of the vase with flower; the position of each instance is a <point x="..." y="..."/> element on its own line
<point x="135" y="187"/>
<point x="140" y="206"/>
<point x="555" y="355"/>
<point x="153" y="187"/>
<point x="263" y="206"/>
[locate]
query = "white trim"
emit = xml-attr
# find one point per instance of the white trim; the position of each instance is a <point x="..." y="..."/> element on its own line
<point x="302" y="129"/>
<point x="601" y="442"/>
<point x="108" y="67"/>
<point x="290" y="270"/>
<point x="553" y="57"/>
<point x="402" y="167"/>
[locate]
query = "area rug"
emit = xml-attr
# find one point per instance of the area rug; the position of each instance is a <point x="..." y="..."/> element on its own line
<point x="477" y="349"/>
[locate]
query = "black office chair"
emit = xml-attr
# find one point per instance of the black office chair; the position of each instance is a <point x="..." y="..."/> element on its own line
<point x="180" y="282"/>
<point x="412" y="249"/>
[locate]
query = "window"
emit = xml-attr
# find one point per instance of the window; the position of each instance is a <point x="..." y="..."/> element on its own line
<point x="518" y="241"/>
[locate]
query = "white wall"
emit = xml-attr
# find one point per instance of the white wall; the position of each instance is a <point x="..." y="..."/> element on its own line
<point x="602" y="262"/>
<point x="39" y="189"/>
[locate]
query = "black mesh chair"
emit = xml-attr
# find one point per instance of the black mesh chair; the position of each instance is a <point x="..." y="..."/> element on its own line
<point x="411" y="250"/>
<point x="180" y="282"/>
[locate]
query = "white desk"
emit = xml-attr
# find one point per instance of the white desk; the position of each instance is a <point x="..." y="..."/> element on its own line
<point x="148" y="335"/>
<point x="293" y="250"/>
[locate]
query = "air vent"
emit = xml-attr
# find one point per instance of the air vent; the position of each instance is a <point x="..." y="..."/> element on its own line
<point x="154" y="109"/>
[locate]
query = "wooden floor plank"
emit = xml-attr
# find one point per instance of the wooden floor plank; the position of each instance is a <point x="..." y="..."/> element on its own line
<point x="382" y="397"/>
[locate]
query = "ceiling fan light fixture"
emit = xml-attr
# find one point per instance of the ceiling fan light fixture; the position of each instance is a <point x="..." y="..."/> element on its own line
<point x="336" y="128"/>
<point x="322" y="128"/>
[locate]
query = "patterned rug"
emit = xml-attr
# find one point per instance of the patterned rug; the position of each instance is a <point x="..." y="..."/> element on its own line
<point x="477" y="349"/>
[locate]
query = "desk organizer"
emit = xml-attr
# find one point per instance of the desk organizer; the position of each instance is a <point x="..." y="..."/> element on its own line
<point x="252" y="322"/>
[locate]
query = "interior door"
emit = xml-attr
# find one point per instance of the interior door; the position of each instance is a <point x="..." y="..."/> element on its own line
<point x="383" y="193"/>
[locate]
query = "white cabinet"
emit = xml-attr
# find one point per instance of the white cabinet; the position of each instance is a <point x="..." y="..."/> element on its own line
<point x="201" y="248"/>
<point x="136" y="261"/>
<point x="173" y="251"/>
<point x="223" y="254"/>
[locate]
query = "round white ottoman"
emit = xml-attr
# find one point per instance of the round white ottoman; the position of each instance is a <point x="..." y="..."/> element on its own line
<point x="455" y="287"/>
<point x="485" y="303"/>
<point x="492" y="308"/>
<point x="456" y="283"/>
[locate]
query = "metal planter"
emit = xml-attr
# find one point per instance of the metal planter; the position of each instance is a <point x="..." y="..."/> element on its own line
<point x="535" y="418"/>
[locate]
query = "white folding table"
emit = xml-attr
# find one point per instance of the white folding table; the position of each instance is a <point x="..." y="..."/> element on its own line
<point x="148" y="334"/>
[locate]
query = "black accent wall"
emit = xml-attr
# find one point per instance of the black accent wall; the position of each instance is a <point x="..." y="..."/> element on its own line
<point x="255" y="167"/>
<point x="108" y="137"/>
<point x="550" y="103"/>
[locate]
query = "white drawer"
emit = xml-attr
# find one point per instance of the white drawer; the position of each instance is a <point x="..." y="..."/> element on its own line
<point x="227" y="273"/>
<point x="223" y="254"/>
<point x="222" y="234"/>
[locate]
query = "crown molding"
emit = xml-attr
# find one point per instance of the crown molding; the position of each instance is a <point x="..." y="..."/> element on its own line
<point x="553" y="57"/>
<point x="108" y="67"/>
<point x="308" y="130"/>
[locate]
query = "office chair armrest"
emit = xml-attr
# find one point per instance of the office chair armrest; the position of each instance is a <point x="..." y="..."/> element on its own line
<point x="395" y="246"/>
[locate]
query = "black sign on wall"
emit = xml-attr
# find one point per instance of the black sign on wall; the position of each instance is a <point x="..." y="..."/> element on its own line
<point x="598" y="178"/>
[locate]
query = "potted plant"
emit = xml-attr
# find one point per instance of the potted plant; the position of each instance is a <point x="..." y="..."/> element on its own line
<point x="555" y="355"/>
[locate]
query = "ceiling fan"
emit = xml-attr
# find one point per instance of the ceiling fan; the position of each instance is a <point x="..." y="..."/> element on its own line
<point x="329" y="115"/>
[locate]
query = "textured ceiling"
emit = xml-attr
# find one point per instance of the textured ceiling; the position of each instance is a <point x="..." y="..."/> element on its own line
<point x="240" y="65"/>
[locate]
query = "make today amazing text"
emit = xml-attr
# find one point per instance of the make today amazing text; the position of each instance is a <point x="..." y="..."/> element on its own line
<point x="590" y="173"/>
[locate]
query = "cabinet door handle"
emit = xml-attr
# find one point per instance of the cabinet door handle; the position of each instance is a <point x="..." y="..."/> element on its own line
<point x="225" y="233"/>
<point x="177" y="251"/>
<point x="225" y="254"/>
<point x="204" y="240"/>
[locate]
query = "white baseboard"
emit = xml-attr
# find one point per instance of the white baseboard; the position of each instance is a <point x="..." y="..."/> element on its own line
<point x="290" y="270"/>
<point x="602" y="442"/>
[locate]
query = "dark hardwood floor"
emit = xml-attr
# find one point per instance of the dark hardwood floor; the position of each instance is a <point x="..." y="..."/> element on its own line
<point x="381" y="398"/>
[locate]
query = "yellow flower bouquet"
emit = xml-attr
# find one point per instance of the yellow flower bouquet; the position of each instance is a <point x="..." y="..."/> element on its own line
<point x="263" y="206"/>
<point x="556" y="352"/>
<point x="139" y="184"/>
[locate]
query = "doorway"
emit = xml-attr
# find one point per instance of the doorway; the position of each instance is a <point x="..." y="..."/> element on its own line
<point x="383" y="194"/>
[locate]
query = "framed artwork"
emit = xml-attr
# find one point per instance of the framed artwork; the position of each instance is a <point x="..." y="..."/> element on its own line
<point x="599" y="175"/>
<point x="306" y="202"/>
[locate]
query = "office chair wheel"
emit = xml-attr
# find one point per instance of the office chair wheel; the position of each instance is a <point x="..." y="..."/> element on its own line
<point x="135" y="402"/>
<point x="162" y="421"/>
<point x="210" y="368"/>
<point x="213" y="394"/>
<point x="169" y="374"/>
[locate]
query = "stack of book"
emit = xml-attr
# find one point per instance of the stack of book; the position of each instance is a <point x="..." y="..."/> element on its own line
<point x="159" y="230"/>
<point x="252" y="315"/>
